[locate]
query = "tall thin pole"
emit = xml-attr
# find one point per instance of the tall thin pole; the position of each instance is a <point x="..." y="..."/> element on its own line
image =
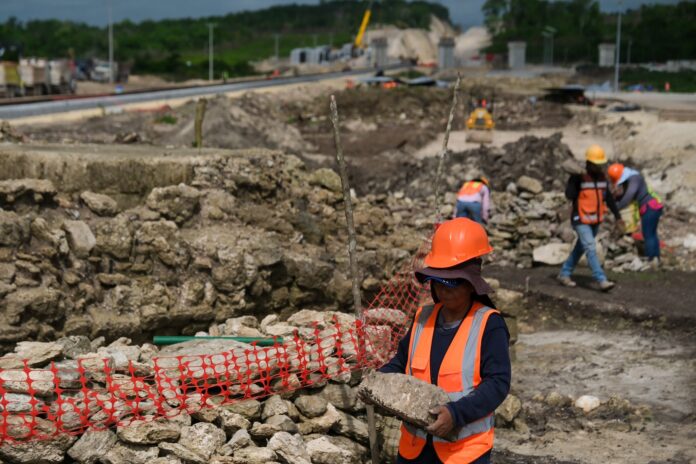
<point x="277" y="46"/>
<point x="352" y="252"/>
<point x="111" y="43"/>
<point x="210" y="51"/>
<point x="443" y="152"/>
<point x="618" y="50"/>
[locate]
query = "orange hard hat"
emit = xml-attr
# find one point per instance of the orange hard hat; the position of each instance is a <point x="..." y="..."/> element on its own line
<point x="596" y="155"/>
<point x="485" y="180"/>
<point x="614" y="172"/>
<point x="457" y="241"/>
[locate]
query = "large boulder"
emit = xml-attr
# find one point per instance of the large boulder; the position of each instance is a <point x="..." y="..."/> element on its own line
<point x="529" y="184"/>
<point x="92" y="445"/>
<point x="14" y="230"/>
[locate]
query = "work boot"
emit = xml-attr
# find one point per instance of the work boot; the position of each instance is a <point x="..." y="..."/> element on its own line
<point x="605" y="285"/>
<point x="566" y="281"/>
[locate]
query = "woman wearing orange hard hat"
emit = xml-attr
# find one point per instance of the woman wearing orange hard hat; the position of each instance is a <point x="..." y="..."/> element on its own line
<point x="590" y="196"/>
<point x="630" y="186"/>
<point x="460" y="343"/>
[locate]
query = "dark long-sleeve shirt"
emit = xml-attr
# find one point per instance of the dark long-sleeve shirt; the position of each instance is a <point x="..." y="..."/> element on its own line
<point x="573" y="192"/>
<point x="635" y="189"/>
<point x="495" y="373"/>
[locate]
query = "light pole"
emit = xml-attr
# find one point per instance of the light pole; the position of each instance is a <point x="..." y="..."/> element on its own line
<point x="618" y="50"/>
<point x="277" y="47"/>
<point x="111" y="43"/>
<point x="211" y="26"/>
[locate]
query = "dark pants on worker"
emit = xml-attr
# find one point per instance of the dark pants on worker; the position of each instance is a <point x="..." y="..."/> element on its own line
<point x="648" y="225"/>
<point x="470" y="209"/>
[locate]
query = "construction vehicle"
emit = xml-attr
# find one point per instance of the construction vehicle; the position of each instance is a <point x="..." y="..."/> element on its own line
<point x="480" y="122"/>
<point x="363" y="27"/>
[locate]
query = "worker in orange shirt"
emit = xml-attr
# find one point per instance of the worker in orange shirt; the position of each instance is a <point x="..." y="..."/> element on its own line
<point x="474" y="200"/>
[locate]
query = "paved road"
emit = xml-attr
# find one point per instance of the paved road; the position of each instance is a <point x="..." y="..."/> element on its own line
<point x="62" y="106"/>
<point x="657" y="100"/>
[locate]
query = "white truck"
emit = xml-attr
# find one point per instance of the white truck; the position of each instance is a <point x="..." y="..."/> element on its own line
<point x="34" y="73"/>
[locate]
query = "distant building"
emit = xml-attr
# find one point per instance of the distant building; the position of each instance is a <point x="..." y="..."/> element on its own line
<point x="607" y="55"/>
<point x="517" y="55"/>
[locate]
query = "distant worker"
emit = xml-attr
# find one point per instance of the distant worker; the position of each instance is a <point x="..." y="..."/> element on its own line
<point x="589" y="192"/>
<point x="459" y="343"/>
<point x="474" y="200"/>
<point x="630" y="187"/>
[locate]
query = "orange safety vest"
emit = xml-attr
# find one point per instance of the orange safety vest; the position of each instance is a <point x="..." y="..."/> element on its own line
<point x="591" y="207"/>
<point x="459" y="375"/>
<point x="471" y="187"/>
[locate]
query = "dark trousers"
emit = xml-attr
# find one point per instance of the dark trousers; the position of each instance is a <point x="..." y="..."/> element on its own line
<point x="648" y="225"/>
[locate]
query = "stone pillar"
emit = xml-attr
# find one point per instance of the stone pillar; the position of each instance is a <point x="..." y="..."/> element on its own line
<point x="445" y="53"/>
<point x="517" y="52"/>
<point x="379" y="52"/>
<point x="607" y="55"/>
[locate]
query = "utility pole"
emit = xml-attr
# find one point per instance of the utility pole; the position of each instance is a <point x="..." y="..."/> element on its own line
<point x="618" y="49"/>
<point x="111" y="43"/>
<point x="277" y="40"/>
<point x="211" y="74"/>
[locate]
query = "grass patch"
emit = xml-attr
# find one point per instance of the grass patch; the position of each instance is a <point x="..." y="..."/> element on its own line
<point x="166" y="119"/>
<point x="682" y="81"/>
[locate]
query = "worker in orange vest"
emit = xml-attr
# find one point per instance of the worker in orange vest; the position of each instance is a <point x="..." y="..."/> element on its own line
<point x="474" y="200"/>
<point x="460" y="343"/>
<point x="590" y="195"/>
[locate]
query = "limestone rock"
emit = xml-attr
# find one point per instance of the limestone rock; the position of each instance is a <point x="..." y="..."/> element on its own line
<point x="341" y="395"/>
<point x="327" y="178"/>
<point x="240" y="439"/>
<point x="322" y="451"/>
<point x="311" y="405"/>
<point x="74" y="346"/>
<point x="92" y="445"/>
<point x="103" y="205"/>
<point x="406" y="397"/>
<point x="529" y="184"/>
<point x="80" y="238"/>
<point x="254" y="455"/>
<point x="321" y="424"/>
<point x="123" y="453"/>
<point x="184" y="454"/>
<point x="273" y="406"/>
<point x="552" y="254"/>
<point x="509" y="409"/>
<point x="114" y="237"/>
<point x="289" y="448"/>
<point x="557" y="400"/>
<point x="37" y="451"/>
<point x="231" y="422"/>
<point x="351" y="427"/>
<point x="282" y="423"/>
<point x="176" y="202"/>
<point x="14" y="230"/>
<point x="149" y="432"/>
<point x="249" y="409"/>
<point x="202" y="439"/>
<point x="36" y="353"/>
<point x="12" y="189"/>
<point x="587" y="403"/>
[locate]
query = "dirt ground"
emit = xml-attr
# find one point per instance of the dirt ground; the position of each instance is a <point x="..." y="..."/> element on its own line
<point x="644" y="367"/>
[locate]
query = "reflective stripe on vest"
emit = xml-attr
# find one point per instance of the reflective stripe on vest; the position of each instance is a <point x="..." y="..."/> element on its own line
<point x="591" y="207"/>
<point x="472" y="327"/>
<point x="471" y="187"/>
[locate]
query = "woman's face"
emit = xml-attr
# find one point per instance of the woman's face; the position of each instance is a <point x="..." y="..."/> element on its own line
<point x="457" y="298"/>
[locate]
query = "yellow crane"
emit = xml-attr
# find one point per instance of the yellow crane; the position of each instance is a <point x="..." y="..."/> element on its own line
<point x="363" y="26"/>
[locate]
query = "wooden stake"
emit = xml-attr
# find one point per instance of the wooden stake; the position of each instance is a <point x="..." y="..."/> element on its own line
<point x="352" y="245"/>
<point x="198" y="123"/>
<point x="443" y="152"/>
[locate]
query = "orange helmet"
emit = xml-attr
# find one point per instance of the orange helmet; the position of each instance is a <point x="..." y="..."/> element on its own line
<point x="457" y="241"/>
<point x="614" y="172"/>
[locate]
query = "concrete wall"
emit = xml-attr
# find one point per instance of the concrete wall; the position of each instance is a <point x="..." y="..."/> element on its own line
<point x="607" y="55"/>
<point x="445" y="53"/>
<point x="379" y="52"/>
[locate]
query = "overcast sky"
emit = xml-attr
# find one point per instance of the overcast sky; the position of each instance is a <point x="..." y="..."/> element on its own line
<point x="463" y="12"/>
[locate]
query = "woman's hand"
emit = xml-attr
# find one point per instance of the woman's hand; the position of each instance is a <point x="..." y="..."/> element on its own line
<point x="444" y="423"/>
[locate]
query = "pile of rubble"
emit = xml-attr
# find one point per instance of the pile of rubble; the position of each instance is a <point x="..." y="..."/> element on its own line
<point x="251" y="232"/>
